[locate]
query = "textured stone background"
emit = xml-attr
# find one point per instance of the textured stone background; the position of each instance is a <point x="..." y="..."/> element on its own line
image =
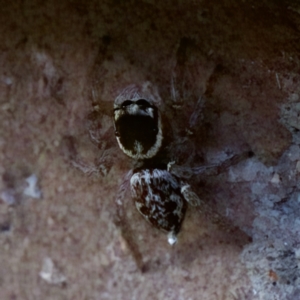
<point x="241" y="56"/>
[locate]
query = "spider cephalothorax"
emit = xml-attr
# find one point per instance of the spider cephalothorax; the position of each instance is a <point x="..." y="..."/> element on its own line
<point x="138" y="124"/>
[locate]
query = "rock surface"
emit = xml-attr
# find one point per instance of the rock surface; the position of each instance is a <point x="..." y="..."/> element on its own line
<point x="61" y="58"/>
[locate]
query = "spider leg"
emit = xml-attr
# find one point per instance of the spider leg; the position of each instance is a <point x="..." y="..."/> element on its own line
<point x="121" y="196"/>
<point x="105" y="161"/>
<point x="210" y="170"/>
<point x="234" y="160"/>
<point x="190" y="196"/>
<point x="204" y="208"/>
<point x="173" y="90"/>
<point x="187" y="172"/>
<point x="197" y="113"/>
<point x="70" y="153"/>
<point x="123" y="223"/>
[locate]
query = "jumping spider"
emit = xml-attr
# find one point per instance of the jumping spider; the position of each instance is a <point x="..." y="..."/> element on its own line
<point x="160" y="196"/>
<point x="158" y="185"/>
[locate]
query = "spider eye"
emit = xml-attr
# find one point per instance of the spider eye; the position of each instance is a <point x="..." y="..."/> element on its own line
<point x="143" y="103"/>
<point x="117" y="133"/>
<point x="126" y="103"/>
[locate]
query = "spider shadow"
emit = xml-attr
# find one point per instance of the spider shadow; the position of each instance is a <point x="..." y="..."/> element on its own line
<point x="198" y="240"/>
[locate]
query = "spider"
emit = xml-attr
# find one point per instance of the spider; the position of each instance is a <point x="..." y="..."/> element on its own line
<point x="159" y="186"/>
<point x="160" y="196"/>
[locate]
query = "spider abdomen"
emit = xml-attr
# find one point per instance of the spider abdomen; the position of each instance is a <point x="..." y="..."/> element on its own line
<point x="157" y="196"/>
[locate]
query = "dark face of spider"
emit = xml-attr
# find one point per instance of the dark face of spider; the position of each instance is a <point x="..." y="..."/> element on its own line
<point x="138" y="128"/>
